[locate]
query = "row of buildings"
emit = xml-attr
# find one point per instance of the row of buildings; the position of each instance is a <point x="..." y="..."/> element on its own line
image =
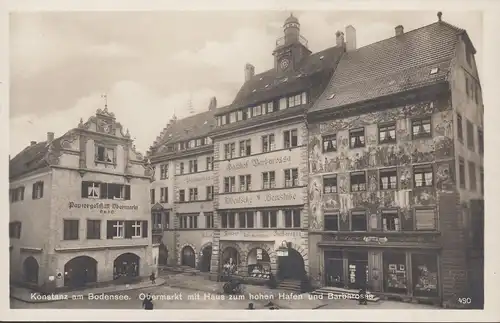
<point x="345" y="167"/>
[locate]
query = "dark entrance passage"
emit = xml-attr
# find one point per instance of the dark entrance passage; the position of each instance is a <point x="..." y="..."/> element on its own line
<point x="126" y="265"/>
<point x="206" y="258"/>
<point x="162" y="255"/>
<point x="30" y="270"/>
<point x="357" y="269"/>
<point x="291" y="266"/>
<point x="80" y="271"/>
<point x="334" y="268"/>
<point x="188" y="257"/>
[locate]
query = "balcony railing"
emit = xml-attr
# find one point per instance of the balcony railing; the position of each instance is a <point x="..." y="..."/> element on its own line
<point x="281" y="41"/>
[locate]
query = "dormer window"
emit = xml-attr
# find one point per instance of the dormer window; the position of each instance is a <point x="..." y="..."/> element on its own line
<point x="331" y="96"/>
<point x="232" y="117"/>
<point x="257" y="111"/>
<point x="104" y="154"/>
<point x="434" y="70"/>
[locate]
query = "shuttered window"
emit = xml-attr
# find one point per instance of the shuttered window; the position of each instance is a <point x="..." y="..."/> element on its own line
<point x="425" y="219"/>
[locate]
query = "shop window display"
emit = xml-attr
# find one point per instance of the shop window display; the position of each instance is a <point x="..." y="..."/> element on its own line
<point x="425" y="275"/>
<point x="230" y="261"/>
<point x="395" y="273"/>
<point x="259" y="264"/>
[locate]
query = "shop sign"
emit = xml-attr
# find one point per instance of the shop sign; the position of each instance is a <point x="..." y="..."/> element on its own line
<point x="282" y="252"/>
<point x="375" y="239"/>
<point x="105" y="208"/>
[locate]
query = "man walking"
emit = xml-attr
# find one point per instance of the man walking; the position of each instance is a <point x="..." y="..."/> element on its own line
<point x="147" y="303"/>
<point x="153" y="278"/>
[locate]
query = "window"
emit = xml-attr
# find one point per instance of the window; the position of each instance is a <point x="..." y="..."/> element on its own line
<point x="136" y="229"/>
<point x="387" y="133"/>
<point x="243" y="114"/>
<point x="269" y="219"/>
<point x="210" y="163"/>
<point x="245" y="183"/>
<point x="294" y="101"/>
<point x="228" y="220"/>
<point x="472" y="176"/>
<point x="246" y="219"/>
<point x="104" y="154"/>
<point x="290" y="137"/>
<point x="358" y="221"/>
<point x="193" y="194"/>
<point x="157" y="220"/>
<point x="232" y="117"/>
<point x="152" y="195"/>
<point x="425" y="219"/>
<point x="116" y="229"/>
<point x="230" y="150"/>
<point x="421" y="128"/>
<point x="245" y="148"/>
<point x="388" y="179"/>
<point x="105" y="191"/>
<point x="182" y="196"/>
<point x="331" y="222"/>
<point x="269" y="107"/>
<point x="282" y="104"/>
<point x="181" y="168"/>
<point x="470" y="135"/>
<point x="15" y="230"/>
<point x="357" y="138"/>
<point x="395" y="272"/>
<point x="268" y="143"/>
<point x="292" y="218"/>
<point x="209" y="220"/>
<point x="93" y="229"/>
<point x="478" y="94"/>
<point x="358" y="181"/>
<point x="188" y="221"/>
<point x="229" y="184"/>
<point x="164" y="195"/>
<point x="257" y="110"/>
<point x="17" y="194"/>
<point x="390" y="220"/>
<point x="481" y="179"/>
<point x="467" y="86"/>
<point x="268" y="180"/>
<point x="460" y="130"/>
<point x="210" y="193"/>
<point x="330" y="184"/>
<point x="164" y="171"/>
<point x="461" y="172"/>
<point x="193" y="166"/>
<point x="71" y="229"/>
<point x="423" y="176"/>
<point x="480" y="141"/>
<point x="329" y="143"/>
<point x="291" y="177"/>
<point x="425" y="275"/>
<point x="37" y="192"/>
<point x="224" y="119"/>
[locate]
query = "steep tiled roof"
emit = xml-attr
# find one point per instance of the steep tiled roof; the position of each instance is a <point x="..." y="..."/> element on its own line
<point x="195" y="126"/>
<point x="391" y="66"/>
<point x="271" y="84"/>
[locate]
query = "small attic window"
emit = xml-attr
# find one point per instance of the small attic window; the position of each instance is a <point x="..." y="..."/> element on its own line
<point x="254" y="90"/>
<point x="300" y="75"/>
<point x="321" y="57"/>
<point x="170" y="135"/>
<point x="267" y="85"/>
<point x="261" y="79"/>
<point x="205" y="122"/>
<point x="285" y="79"/>
<point x="331" y="96"/>
<point x="434" y="70"/>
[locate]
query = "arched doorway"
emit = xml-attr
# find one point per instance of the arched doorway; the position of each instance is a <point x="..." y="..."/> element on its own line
<point x="259" y="263"/>
<point x="291" y="266"/>
<point x="80" y="271"/>
<point x="126" y="265"/>
<point x="30" y="270"/>
<point x="162" y="255"/>
<point x="206" y="259"/>
<point x="188" y="257"/>
<point x="230" y="260"/>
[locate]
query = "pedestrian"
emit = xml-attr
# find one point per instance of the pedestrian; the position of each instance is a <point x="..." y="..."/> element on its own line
<point x="362" y="295"/>
<point x="153" y="278"/>
<point x="147" y="303"/>
<point x="250" y="306"/>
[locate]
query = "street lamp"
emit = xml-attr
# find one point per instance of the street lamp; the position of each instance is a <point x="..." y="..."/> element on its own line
<point x="282" y="250"/>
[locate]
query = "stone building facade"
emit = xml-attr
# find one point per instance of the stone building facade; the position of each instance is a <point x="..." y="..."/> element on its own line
<point x="87" y="219"/>
<point x="395" y="159"/>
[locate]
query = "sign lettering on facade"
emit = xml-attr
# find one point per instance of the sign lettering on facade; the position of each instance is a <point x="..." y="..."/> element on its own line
<point x="265" y="234"/>
<point x="106" y="208"/>
<point x="194" y="179"/>
<point x="256" y="162"/>
<point x="261" y="198"/>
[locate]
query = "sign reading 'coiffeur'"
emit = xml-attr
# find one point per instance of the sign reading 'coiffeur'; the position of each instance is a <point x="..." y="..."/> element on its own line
<point x="102" y="207"/>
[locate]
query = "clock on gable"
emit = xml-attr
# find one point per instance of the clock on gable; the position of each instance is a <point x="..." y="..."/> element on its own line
<point x="284" y="63"/>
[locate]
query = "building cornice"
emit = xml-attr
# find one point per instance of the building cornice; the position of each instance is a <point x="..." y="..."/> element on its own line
<point x="169" y="156"/>
<point x="86" y="170"/>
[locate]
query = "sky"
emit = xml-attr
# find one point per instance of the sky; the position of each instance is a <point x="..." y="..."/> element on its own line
<point x="152" y="64"/>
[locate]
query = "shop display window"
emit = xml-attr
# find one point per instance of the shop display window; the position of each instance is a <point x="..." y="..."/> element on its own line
<point x="259" y="264"/>
<point x="395" y="273"/>
<point x="425" y="275"/>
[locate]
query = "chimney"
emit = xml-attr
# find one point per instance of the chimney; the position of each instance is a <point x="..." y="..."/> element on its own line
<point x="50" y="137"/>
<point x="350" y="33"/>
<point x="340" y="38"/>
<point x="249" y="72"/>
<point x="213" y="104"/>
<point x="32" y="143"/>
<point x="399" y="30"/>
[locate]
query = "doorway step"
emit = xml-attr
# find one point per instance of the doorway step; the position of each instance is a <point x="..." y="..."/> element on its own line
<point x="344" y="292"/>
<point x="291" y="285"/>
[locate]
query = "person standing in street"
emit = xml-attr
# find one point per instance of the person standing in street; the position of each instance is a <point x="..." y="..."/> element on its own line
<point x="153" y="278"/>
<point x="147" y="303"/>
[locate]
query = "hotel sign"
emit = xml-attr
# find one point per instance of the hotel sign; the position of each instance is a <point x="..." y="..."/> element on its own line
<point x="291" y="196"/>
<point x="258" y="234"/>
<point x="269" y="161"/>
<point x="195" y="179"/>
<point x="105" y="208"/>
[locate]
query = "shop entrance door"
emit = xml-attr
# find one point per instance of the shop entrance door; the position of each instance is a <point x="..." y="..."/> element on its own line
<point x="358" y="269"/>
<point x="334" y="269"/>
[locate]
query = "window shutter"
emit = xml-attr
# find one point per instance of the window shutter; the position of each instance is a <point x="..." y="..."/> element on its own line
<point x="144" y="229"/>
<point x="85" y="189"/>
<point x="128" y="229"/>
<point x="103" y="188"/>
<point x="127" y="192"/>
<point x="41" y="189"/>
<point x="109" y="229"/>
<point x="33" y="191"/>
<point x="425" y="219"/>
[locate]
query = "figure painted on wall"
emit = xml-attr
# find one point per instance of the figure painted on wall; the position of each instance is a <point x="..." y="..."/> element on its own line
<point x="315" y="198"/>
<point x="444" y="124"/>
<point x="443" y="147"/>
<point x="405" y="179"/>
<point x="444" y="179"/>
<point x="315" y="151"/>
<point x="343" y="183"/>
<point x="424" y="197"/>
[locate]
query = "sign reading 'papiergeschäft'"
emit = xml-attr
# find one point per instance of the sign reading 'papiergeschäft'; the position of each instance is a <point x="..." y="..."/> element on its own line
<point x="106" y="208"/>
